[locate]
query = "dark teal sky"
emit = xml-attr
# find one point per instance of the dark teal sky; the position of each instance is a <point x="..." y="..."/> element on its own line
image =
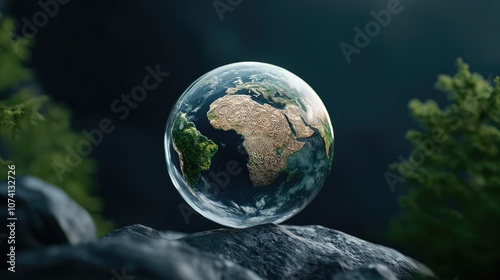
<point x="92" y="51"/>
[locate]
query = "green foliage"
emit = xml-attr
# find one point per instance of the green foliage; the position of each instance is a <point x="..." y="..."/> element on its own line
<point x="195" y="149"/>
<point x="451" y="212"/>
<point x="35" y="131"/>
<point x="13" y="114"/>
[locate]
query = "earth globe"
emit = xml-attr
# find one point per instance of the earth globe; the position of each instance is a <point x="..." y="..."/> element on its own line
<point x="249" y="143"/>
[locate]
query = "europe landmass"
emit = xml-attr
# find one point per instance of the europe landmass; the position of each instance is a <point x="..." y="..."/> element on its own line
<point x="275" y="93"/>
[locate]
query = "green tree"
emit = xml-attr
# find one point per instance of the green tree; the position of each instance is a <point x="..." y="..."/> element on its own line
<point x="35" y="131"/>
<point x="451" y="210"/>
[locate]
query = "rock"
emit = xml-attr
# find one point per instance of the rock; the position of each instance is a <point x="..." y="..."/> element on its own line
<point x="372" y="272"/>
<point x="46" y="215"/>
<point x="141" y="232"/>
<point x="117" y="258"/>
<point x="134" y="233"/>
<point x="301" y="252"/>
<point x="261" y="252"/>
<point x="364" y="253"/>
<point x="172" y="235"/>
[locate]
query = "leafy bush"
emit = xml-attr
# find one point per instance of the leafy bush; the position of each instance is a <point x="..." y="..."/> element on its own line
<point x="451" y="211"/>
<point x="34" y="130"/>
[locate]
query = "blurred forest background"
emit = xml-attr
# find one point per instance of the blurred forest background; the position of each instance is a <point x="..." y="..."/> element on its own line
<point x="89" y="53"/>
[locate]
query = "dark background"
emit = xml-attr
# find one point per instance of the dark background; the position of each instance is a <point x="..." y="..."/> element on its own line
<point x="92" y="51"/>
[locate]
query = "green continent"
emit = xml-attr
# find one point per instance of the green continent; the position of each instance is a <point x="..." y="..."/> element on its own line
<point x="194" y="149"/>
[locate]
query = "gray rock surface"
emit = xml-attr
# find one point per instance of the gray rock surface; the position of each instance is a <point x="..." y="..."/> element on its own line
<point x="363" y="253"/>
<point x="301" y="252"/>
<point x="118" y="258"/>
<point x="372" y="272"/>
<point x="135" y="233"/>
<point x="172" y="235"/>
<point x="46" y="215"/>
<point x="51" y="228"/>
<point x="261" y="252"/>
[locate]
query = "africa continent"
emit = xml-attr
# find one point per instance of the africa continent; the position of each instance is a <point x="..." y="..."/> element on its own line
<point x="270" y="134"/>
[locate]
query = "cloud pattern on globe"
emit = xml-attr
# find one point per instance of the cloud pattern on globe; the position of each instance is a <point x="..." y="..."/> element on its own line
<point x="249" y="143"/>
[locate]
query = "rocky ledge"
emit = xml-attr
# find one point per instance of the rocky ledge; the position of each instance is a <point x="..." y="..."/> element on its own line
<point x="261" y="252"/>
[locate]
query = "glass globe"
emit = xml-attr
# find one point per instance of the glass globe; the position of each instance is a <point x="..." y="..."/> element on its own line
<point x="249" y="143"/>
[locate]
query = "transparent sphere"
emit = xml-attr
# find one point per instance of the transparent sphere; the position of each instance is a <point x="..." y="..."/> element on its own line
<point x="249" y="143"/>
